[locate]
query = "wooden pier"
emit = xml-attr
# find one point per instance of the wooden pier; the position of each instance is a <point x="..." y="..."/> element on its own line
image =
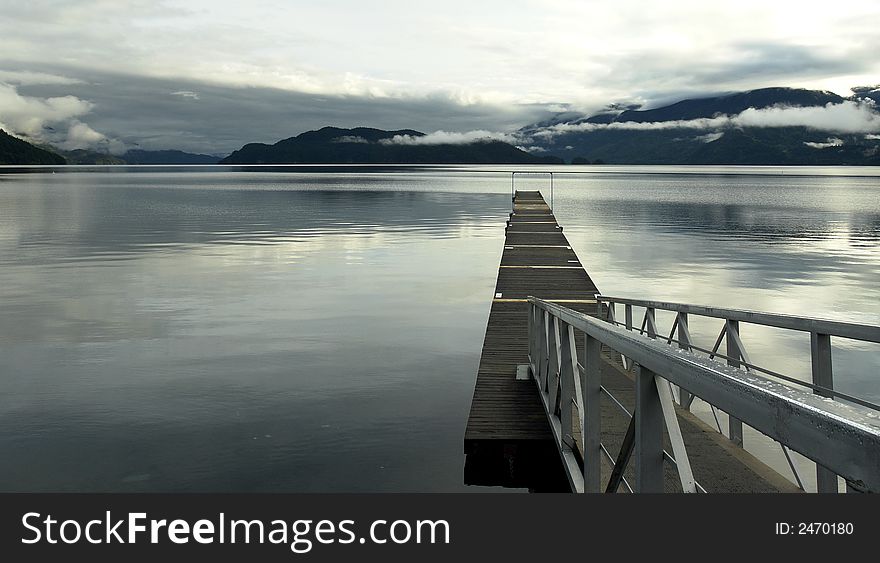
<point x="508" y="439"/>
<point x="506" y="412"/>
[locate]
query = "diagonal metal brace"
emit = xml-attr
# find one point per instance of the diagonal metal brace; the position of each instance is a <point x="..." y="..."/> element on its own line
<point x="626" y="450"/>
<point x="685" y="473"/>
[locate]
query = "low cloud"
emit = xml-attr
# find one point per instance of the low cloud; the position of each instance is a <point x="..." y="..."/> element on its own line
<point x="847" y="117"/>
<point x="350" y="139"/>
<point x="30" y="78"/>
<point x="186" y="94"/>
<point x="709" y="137"/>
<point x="80" y="136"/>
<point x="451" y="138"/>
<point x="53" y="120"/>
<point x="702" y="123"/>
<point x="829" y="142"/>
<point x="34" y="117"/>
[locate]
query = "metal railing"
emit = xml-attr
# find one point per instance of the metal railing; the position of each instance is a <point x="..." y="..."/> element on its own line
<point x="820" y="330"/>
<point x="513" y="182"/>
<point x="844" y="438"/>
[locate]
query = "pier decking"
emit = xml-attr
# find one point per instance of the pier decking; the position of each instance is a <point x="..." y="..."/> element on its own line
<point x="537" y="261"/>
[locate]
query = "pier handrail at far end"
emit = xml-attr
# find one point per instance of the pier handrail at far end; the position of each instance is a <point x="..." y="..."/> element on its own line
<point x="538" y="172"/>
<point x="843" y="439"/>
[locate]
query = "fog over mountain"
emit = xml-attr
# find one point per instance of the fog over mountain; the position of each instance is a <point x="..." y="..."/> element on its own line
<point x="765" y="126"/>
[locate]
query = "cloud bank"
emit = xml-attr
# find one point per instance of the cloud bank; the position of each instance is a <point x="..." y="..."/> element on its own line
<point x="452" y="138"/>
<point x="28" y="78"/>
<point x="153" y="114"/>
<point x="53" y="120"/>
<point x="847" y="117"/>
<point x="186" y="94"/>
<point x="829" y="142"/>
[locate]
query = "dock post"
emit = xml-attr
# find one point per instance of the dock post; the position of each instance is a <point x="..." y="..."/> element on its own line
<point x="820" y="352"/>
<point x="649" y="434"/>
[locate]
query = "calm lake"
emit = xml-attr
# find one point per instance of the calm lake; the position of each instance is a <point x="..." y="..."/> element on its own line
<point x="213" y="329"/>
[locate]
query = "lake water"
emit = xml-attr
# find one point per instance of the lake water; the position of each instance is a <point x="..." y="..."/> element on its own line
<point x="217" y="329"/>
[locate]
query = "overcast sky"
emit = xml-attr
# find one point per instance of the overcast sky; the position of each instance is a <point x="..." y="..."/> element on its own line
<point x="216" y="74"/>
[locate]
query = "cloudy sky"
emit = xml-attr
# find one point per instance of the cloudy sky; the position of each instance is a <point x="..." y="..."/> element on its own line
<point x="210" y="76"/>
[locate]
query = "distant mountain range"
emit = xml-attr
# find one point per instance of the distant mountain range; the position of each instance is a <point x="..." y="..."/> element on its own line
<point x="693" y="131"/>
<point x="363" y="145"/>
<point x="613" y="136"/>
<point x="168" y="157"/>
<point x="17" y="151"/>
<point x="137" y="156"/>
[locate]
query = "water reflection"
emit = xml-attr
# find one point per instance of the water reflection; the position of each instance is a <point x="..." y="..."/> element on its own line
<point x="210" y="330"/>
<point x="238" y="339"/>
<point x="72" y="221"/>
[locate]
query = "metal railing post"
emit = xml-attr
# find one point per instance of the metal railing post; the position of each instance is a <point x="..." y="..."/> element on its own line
<point x="591" y="417"/>
<point x="567" y="371"/>
<point x="553" y="372"/>
<point x="512" y="193"/>
<point x="533" y="349"/>
<point x="684" y="342"/>
<point x="544" y="341"/>
<point x="734" y="426"/>
<point x="651" y="322"/>
<point x="820" y="352"/>
<point x="649" y="434"/>
<point x="629" y="316"/>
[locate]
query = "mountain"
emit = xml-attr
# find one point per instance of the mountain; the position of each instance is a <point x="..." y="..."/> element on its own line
<point x="732" y="104"/>
<point x="613" y="136"/>
<point x="872" y="92"/>
<point x="137" y="156"/>
<point x="86" y="157"/>
<point x="16" y="151"/>
<point x="363" y="145"/>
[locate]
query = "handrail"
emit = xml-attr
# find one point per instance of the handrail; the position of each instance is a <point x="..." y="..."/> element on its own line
<point x="512" y="181"/>
<point x="855" y="331"/>
<point x="820" y="330"/>
<point x="843" y="438"/>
